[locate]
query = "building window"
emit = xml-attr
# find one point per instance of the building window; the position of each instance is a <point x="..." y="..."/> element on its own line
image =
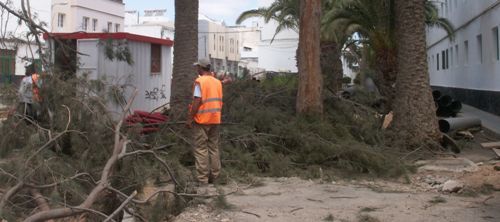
<point x="215" y="41"/>
<point x="220" y="43"/>
<point x="7" y="62"/>
<point x="110" y="26"/>
<point x="60" y="20"/>
<point x="443" y="60"/>
<point x="466" y="52"/>
<point x="232" y="45"/>
<point x="456" y="55"/>
<point x="237" y="46"/>
<point x="117" y="27"/>
<point x="447" y="59"/>
<point x="155" y="59"/>
<point x="437" y="61"/>
<point x="451" y="56"/>
<point x="496" y="42"/>
<point x="94" y="25"/>
<point x="85" y="23"/>
<point x="480" y="48"/>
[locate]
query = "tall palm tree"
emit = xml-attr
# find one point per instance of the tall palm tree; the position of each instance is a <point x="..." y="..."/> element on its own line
<point x="309" y="99"/>
<point x="185" y="54"/>
<point x="414" y="110"/>
<point x="286" y="14"/>
<point x="374" y="21"/>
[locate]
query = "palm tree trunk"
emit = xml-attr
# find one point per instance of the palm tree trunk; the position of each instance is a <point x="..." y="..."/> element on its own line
<point x="386" y="62"/>
<point x="185" y="54"/>
<point x="414" y="111"/>
<point x="331" y="65"/>
<point x="309" y="99"/>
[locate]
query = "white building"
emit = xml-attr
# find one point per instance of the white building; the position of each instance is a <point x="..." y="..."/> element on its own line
<point x="16" y="51"/>
<point x="87" y="15"/>
<point x="153" y="23"/>
<point x="249" y="50"/>
<point x="15" y="55"/>
<point x="219" y="43"/>
<point x="468" y="67"/>
<point x="278" y="55"/>
<point x="150" y="72"/>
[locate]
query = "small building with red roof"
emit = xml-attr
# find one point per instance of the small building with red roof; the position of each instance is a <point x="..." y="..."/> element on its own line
<point x="124" y="61"/>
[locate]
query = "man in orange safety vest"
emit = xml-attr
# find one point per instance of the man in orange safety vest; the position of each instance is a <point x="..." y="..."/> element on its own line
<point x="204" y="119"/>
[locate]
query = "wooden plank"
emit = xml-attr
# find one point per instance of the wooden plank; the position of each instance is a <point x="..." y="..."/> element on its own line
<point x="497" y="151"/>
<point x="491" y="145"/>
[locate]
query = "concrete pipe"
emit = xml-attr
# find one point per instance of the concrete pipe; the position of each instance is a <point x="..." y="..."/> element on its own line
<point x="461" y="123"/>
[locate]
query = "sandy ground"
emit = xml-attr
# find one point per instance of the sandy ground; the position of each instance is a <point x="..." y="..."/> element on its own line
<point x="294" y="199"/>
<point x="419" y="199"/>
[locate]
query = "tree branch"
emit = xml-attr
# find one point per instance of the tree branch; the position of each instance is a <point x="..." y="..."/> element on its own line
<point x="56" y="183"/>
<point x="101" y="186"/>
<point x="139" y="152"/>
<point x="121" y="206"/>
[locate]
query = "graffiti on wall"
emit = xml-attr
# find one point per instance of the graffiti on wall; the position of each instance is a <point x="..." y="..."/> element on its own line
<point x="156" y="93"/>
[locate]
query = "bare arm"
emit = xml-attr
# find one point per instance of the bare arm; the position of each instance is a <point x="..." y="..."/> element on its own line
<point x="195" y="106"/>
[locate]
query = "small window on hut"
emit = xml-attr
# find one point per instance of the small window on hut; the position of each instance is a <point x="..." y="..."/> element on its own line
<point x="155" y="59"/>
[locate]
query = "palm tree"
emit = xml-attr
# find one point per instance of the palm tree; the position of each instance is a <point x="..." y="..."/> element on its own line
<point x="432" y="19"/>
<point x="286" y="13"/>
<point x="185" y="54"/>
<point x="414" y="110"/>
<point x="373" y="20"/>
<point x="309" y="99"/>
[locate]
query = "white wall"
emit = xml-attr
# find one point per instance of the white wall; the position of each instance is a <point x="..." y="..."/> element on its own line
<point x="23" y="51"/>
<point x="28" y="51"/>
<point x="103" y="10"/>
<point x="278" y="56"/>
<point x="471" y="74"/>
<point x="136" y="76"/>
<point x="152" y="30"/>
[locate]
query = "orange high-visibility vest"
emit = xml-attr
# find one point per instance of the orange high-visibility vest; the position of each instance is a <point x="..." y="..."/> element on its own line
<point x="35" y="79"/>
<point x="211" y="100"/>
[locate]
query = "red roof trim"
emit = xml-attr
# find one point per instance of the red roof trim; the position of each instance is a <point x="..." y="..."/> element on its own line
<point x="114" y="35"/>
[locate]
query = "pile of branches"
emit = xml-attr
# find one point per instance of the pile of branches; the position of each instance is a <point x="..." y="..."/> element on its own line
<point x="78" y="161"/>
<point x="263" y="135"/>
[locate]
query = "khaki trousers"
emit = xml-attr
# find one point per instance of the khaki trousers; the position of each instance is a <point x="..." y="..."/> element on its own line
<point x="206" y="151"/>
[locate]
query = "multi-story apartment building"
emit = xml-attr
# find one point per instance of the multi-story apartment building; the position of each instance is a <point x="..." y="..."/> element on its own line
<point x="87" y="15"/>
<point x="219" y="43"/>
<point x="468" y="66"/>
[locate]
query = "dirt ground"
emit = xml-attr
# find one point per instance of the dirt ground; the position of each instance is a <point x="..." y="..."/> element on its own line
<point x="419" y="198"/>
<point x="294" y="199"/>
